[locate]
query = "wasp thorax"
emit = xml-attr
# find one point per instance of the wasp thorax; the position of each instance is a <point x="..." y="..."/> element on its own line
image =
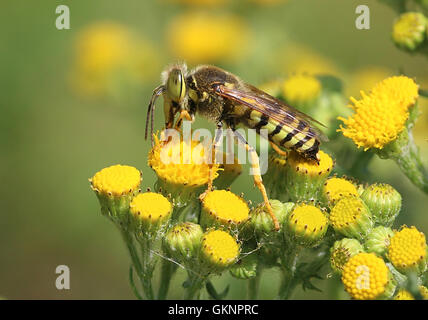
<point x="176" y="86"/>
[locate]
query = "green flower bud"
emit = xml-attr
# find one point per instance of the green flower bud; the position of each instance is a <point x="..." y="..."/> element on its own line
<point x="409" y="30"/>
<point x="342" y="251"/>
<point x="150" y="214"/>
<point x="378" y="240"/>
<point x="245" y="268"/>
<point x="182" y="242"/>
<point x="274" y="178"/>
<point x="351" y="217"/>
<point x="383" y="201"/>
<point x="219" y="250"/>
<point x="221" y="208"/>
<point x="306" y="225"/>
<point x="115" y="187"/>
<point x="305" y="178"/>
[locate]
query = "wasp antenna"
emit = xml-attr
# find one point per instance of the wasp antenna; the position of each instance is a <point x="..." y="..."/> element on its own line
<point x="150" y="110"/>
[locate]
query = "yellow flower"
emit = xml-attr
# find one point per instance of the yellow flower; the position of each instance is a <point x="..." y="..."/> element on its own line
<point x="380" y="116"/>
<point x="407" y="250"/>
<point x="219" y="250"/>
<point x="351" y="217"/>
<point x="201" y="37"/>
<point x="337" y="188"/>
<point x="366" y="277"/>
<point x="403" y="90"/>
<point x="307" y="224"/>
<point x="300" y="89"/>
<point x="409" y="30"/>
<point x="309" y="167"/>
<point x="406" y="295"/>
<point x="223" y="208"/>
<point x="116" y="180"/>
<point x="178" y="163"/>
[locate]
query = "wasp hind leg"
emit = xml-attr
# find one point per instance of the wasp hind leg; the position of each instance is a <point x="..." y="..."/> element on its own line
<point x="278" y="150"/>
<point x="255" y="165"/>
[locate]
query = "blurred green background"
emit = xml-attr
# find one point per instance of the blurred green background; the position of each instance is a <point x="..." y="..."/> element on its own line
<point x="57" y="128"/>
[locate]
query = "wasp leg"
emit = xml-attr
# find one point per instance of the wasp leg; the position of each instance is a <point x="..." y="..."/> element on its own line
<point x="255" y="165"/>
<point x="184" y="114"/>
<point x="217" y="139"/>
<point x="282" y="153"/>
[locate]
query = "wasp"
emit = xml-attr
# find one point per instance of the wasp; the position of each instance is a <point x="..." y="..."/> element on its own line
<point x="226" y="100"/>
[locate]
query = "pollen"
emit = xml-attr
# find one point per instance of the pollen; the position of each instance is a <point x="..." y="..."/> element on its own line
<point x="310" y="167"/>
<point x="150" y="206"/>
<point x="181" y="163"/>
<point x="220" y="248"/>
<point x="407" y="249"/>
<point x="226" y="206"/>
<point x="301" y="88"/>
<point x="365" y="276"/>
<point x="380" y="116"/>
<point x="337" y="188"/>
<point x="116" y="180"/>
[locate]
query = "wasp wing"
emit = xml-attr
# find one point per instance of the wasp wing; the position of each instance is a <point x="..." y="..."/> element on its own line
<point x="276" y="109"/>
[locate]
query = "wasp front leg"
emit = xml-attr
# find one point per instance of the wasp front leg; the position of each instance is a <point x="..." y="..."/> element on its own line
<point x="255" y="165"/>
<point x="215" y="145"/>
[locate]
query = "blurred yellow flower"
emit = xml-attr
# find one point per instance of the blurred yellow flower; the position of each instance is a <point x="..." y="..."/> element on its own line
<point x="202" y="37"/>
<point x="380" y="116"/>
<point x="301" y="88"/>
<point x="409" y="30"/>
<point x="106" y="50"/>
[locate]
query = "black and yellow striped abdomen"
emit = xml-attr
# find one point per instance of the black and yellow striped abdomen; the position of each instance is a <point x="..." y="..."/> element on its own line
<point x="295" y="136"/>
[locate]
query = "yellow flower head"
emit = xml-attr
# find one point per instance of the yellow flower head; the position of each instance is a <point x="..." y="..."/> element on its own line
<point x="406" y="295"/>
<point x="351" y="217"/>
<point x="307" y="224"/>
<point x="366" y="276"/>
<point x="403" y="90"/>
<point x="380" y="116"/>
<point x="407" y="250"/>
<point x="219" y="249"/>
<point x="150" y="206"/>
<point x="409" y="30"/>
<point x="198" y="36"/>
<point x="224" y="208"/>
<point x="309" y="167"/>
<point x="178" y="163"/>
<point x="337" y="188"/>
<point x="116" y="180"/>
<point x="301" y="88"/>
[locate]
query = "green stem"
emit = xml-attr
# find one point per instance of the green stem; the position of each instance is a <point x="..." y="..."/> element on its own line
<point x="289" y="281"/>
<point x="195" y="284"/>
<point x="254" y="284"/>
<point x="168" y="269"/>
<point x="406" y="154"/>
<point x="147" y="268"/>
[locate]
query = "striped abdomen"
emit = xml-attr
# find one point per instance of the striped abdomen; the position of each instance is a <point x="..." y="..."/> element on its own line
<point x="296" y="136"/>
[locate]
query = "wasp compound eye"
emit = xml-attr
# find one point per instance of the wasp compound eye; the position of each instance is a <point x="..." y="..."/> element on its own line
<point x="175" y="86"/>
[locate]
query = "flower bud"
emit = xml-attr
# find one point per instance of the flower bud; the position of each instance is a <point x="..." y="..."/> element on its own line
<point x="306" y="225"/>
<point x="221" y="208"/>
<point x="383" y="201"/>
<point x="115" y="186"/>
<point x="409" y="30"/>
<point x="274" y="178"/>
<point x="367" y="277"/>
<point x="338" y="188"/>
<point x="245" y="268"/>
<point x="302" y="91"/>
<point x="378" y="240"/>
<point x="406" y="295"/>
<point x="150" y="213"/>
<point x="305" y="178"/>
<point x="351" y="217"/>
<point x="219" y="250"/>
<point x="261" y="223"/>
<point x="183" y="241"/>
<point x="342" y="251"/>
<point x="408" y="250"/>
